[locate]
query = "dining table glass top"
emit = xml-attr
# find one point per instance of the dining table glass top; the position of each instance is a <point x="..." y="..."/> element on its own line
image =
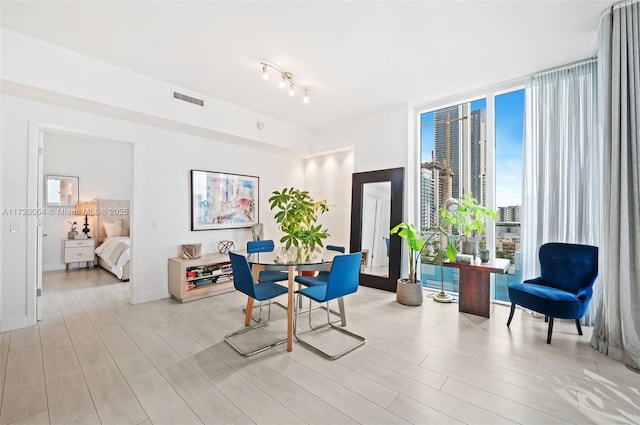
<point x="281" y="256"/>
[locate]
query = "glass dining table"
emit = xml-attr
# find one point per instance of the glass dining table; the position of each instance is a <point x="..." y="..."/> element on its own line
<point x="291" y="262"/>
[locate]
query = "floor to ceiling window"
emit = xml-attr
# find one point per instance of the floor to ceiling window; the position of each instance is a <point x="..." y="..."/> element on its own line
<point x="455" y="156"/>
<point x="509" y="134"/>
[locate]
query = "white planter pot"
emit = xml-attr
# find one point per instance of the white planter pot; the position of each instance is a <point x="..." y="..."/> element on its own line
<point x="409" y="293"/>
<point x="470" y="247"/>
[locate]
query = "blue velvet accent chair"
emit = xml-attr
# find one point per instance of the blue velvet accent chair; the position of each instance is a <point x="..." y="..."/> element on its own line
<point x="343" y="280"/>
<point x="563" y="289"/>
<point x="264" y="291"/>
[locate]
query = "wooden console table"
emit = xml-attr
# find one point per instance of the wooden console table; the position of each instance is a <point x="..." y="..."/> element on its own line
<point x="474" y="294"/>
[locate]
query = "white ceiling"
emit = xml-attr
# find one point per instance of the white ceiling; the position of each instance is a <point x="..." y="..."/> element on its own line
<point x="356" y="56"/>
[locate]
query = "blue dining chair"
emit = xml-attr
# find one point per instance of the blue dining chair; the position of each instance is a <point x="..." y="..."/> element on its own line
<point x="343" y="280"/>
<point x="323" y="275"/>
<point x="320" y="278"/>
<point x="263" y="291"/>
<point x="563" y="289"/>
<point x="266" y="245"/>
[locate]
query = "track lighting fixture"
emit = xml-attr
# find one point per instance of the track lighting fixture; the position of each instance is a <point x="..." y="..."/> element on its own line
<point x="286" y="80"/>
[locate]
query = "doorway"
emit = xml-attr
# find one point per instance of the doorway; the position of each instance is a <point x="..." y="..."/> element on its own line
<point x="103" y="169"/>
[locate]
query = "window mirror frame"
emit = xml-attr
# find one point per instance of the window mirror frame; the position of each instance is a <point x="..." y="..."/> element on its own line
<point x="396" y="177"/>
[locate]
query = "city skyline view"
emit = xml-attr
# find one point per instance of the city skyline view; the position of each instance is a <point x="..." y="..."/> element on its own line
<point x="454" y="161"/>
<point x="509" y="134"/>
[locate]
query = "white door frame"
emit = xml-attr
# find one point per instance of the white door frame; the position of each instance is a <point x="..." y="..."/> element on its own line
<point x="35" y="202"/>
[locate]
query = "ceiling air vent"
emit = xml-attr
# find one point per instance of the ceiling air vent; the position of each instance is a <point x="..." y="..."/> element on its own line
<point x="186" y="98"/>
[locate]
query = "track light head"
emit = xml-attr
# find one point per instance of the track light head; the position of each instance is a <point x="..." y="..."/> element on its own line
<point x="286" y="78"/>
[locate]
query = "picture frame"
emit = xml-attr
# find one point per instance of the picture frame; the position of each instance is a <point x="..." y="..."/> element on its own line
<point x="223" y="200"/>
<point x="62" y="191"/>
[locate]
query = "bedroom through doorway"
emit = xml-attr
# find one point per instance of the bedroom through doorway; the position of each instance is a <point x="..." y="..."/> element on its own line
<point x="103" y="170"/>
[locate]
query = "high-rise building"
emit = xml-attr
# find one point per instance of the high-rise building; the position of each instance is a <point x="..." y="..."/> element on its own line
<point x="510" y="214"/>
<point x="450" y="133"/>
<point x="460" y="139"/>
<point x="479" y="155"/>
<point x="459" y="161"/>
<point x="429" y="175"/>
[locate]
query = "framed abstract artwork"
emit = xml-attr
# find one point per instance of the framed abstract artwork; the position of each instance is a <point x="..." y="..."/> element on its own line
<point x="223" y="200"/>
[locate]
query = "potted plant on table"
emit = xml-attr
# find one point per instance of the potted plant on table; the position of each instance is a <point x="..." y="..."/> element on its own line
<point x="297" y="214"/>
<point x="469" y="219"/>
<point x="72" y="234"/>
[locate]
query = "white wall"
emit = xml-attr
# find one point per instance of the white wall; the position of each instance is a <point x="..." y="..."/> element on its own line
<point x="329" y="177"/>
<point x="168" y="139"/>
<point x="80" y="78"/>
<point x="104" y="169"/>
<point x="380" y="140"/>
<point x="160" y="202"/>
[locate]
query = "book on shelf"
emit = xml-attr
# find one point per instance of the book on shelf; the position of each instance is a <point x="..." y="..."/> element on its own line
<point x="224" y="277"/>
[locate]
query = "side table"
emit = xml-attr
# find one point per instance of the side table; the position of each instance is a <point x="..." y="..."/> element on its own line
<point x="79" y="250"/>
<point x="474" y="291"/>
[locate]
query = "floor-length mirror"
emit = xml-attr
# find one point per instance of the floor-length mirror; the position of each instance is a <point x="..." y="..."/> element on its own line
<point x="376" y="206"/>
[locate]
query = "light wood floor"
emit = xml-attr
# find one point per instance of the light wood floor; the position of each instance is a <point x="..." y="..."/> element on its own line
<point x="94" y="359"/>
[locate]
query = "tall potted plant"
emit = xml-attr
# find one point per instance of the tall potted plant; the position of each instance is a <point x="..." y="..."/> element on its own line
<point x="469" y="220"/>
<point x="409" y="290"/>
<point x="297" y="214"/>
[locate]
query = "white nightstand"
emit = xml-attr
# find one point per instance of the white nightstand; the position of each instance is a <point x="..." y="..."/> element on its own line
<point x="79" y="250"/>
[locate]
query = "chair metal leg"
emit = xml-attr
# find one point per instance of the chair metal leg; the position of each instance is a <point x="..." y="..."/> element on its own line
<point x="360" y="340"/>
<point x="278" y="303"/>
<point x="550" y="330"/>
<point x="513" y="309"/>
<point x="340" y="312"/>
<point x="228" y="340"/>
<point x="343" y="314"/>
<point x="578" y="327"/>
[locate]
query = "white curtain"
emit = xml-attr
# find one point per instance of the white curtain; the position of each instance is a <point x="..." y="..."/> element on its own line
<point x="561" y="200"/>
<point x="617" y="329"/>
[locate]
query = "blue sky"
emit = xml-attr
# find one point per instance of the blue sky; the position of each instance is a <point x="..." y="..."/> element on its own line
<point x="509" y="135"/>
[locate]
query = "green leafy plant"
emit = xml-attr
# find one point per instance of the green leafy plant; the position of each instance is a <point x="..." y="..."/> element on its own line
<point x="416" y="243"/>
<point x="469" y="219"/>
<point x="74" y="225"/>
<point x="297" y="213"/>
<point x="437" y="251"/>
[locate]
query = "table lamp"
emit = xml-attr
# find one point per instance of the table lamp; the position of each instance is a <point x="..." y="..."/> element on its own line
<point x="86" y="210"/>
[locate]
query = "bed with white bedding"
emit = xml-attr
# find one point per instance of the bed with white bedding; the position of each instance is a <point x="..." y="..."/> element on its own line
<point x="114" y="254"/>
<point x="113" y="241"/>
